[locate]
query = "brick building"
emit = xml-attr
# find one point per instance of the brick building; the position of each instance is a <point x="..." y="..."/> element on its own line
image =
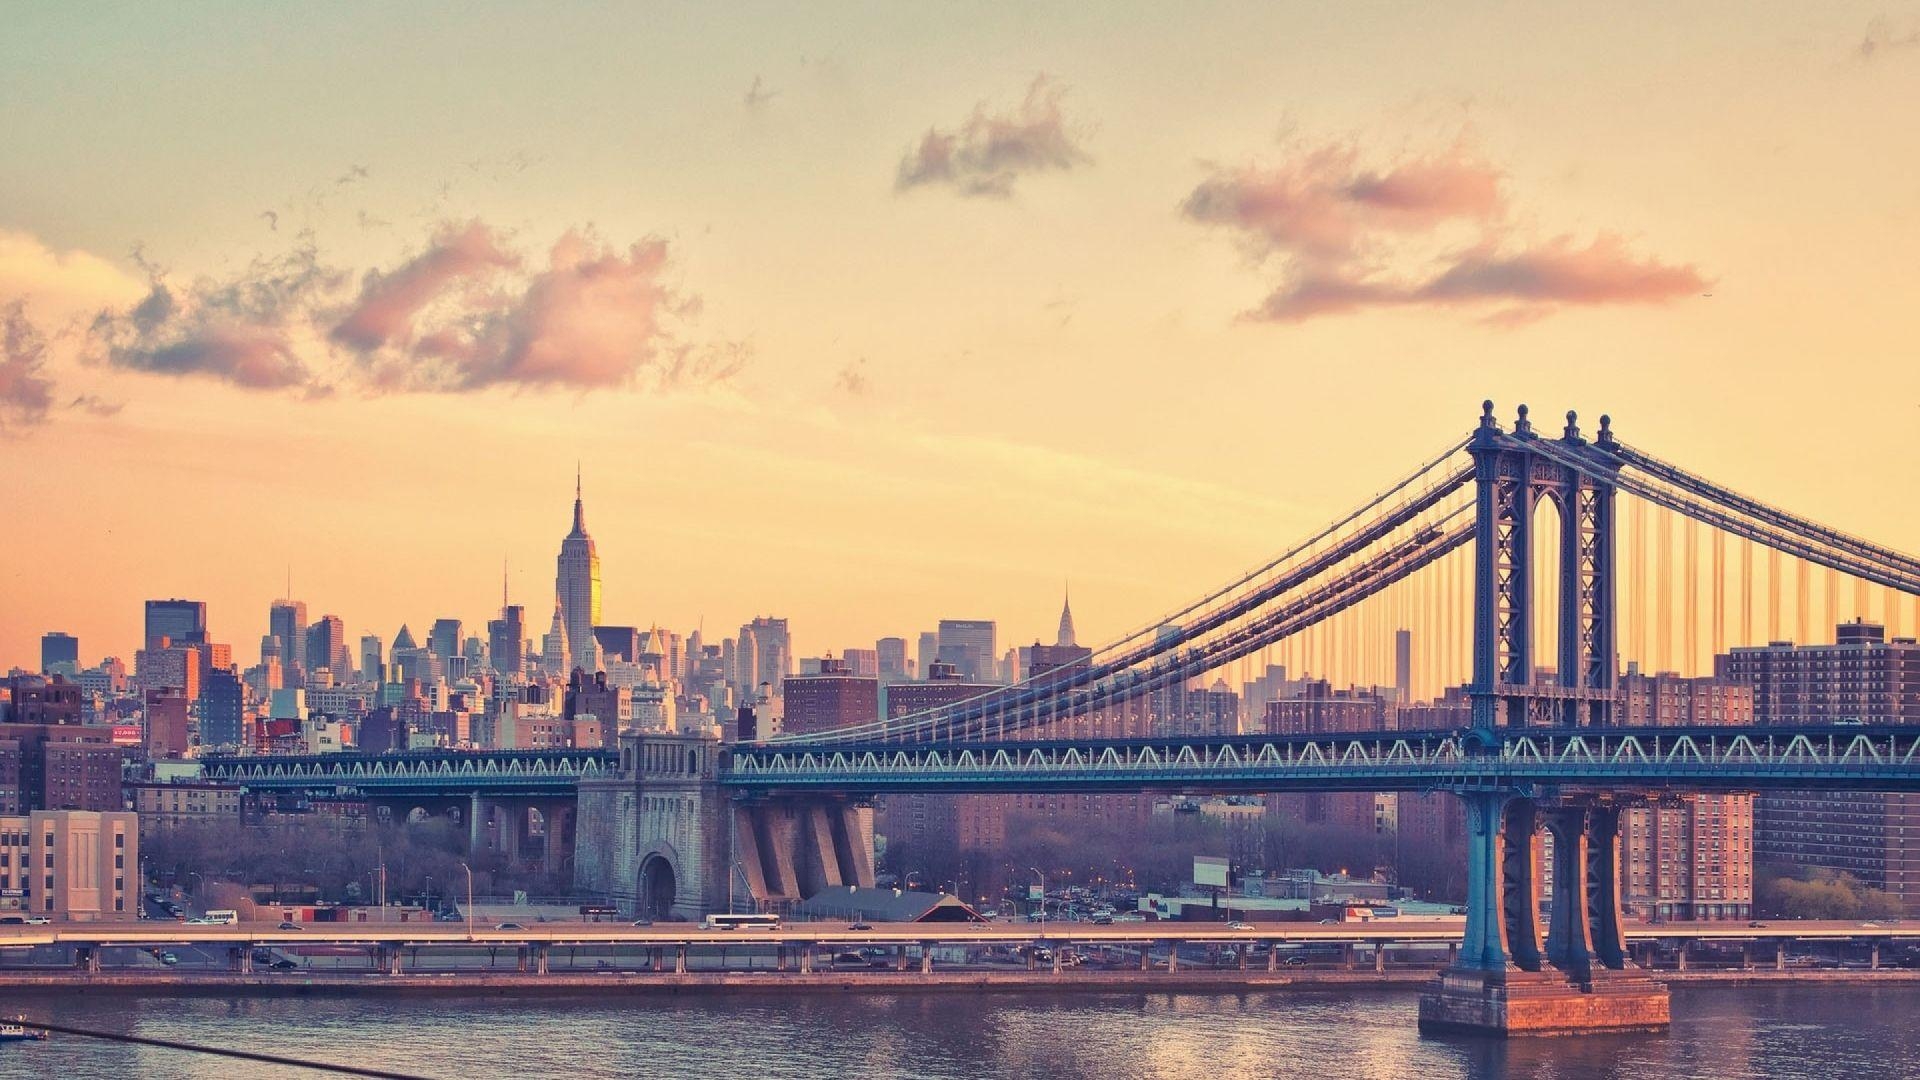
<point x="1691" y="858"/>
<point x="835" y="698"/>
<point x="162" y="806"/>
<point x="1861" y="678"/>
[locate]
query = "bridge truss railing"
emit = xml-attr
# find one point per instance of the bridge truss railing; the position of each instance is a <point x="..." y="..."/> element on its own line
<point x="1691" y="759"/>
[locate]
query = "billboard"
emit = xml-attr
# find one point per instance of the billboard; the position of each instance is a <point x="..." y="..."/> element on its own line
<point x="126" y="734"/>
<point x="1034" y="893"/>
<point x="1210" y="870"/>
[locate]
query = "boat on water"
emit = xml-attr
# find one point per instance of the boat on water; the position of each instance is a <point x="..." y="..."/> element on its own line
<point x="14" y="1031"/>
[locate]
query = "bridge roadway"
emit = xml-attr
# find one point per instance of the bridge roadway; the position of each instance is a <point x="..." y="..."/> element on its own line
<point x="1393" y="931"/>
<point x="1720" y="758"/>
<point x="1747" y="758"/>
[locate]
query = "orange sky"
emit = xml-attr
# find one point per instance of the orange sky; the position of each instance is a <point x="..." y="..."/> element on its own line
<point x="868" y="318"/>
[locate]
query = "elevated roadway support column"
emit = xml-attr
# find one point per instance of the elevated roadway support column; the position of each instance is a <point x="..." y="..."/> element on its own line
<point x="1502" y="982"/>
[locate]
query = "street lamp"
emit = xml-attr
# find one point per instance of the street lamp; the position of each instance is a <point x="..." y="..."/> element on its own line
<point x="469" y="871"/>
<point x="1043" y="893"/>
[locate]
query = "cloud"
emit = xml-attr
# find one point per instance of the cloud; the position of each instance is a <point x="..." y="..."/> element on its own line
<point x="466" y="312"/>
<point x="758" y="96"/>
<point x="990" y="151"/>
<point x="1320" y="204"/>
<point x="60" y="284"/>
<point x="389" y="302"/>
<point x="590" y="319"/>
<point x="1427" y="229"/>
<point x="1882" y="37"/>
<point x="26" y="391"/>
<point x="1533" y="281"/>
<point x="241" y="329"/>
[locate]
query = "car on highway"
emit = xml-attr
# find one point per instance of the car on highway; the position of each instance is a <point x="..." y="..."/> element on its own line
<point x="1101" y="919"/>
<point x="169" y="959"/>
<point x="283" y="964"/>
<point x="509" y="926"/>
<point x="1238" y="925"/>
<point x="1756" y="925"/>
<point x="643" y="922"/>
<point x="287" y="925"/>
<point x="1292" y="961"/>
<point x="1130" y="916"/>
<point x="859" y="926"/>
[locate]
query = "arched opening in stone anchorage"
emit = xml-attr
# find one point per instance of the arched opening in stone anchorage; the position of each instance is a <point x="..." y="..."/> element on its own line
<point x="419" y="815"/>
<point x="658" y="884"/>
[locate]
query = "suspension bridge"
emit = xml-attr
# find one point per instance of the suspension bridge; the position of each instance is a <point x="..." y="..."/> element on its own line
<point x="1505" y="549"/>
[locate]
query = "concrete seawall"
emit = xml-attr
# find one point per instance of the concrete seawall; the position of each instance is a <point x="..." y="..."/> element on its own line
<point x="225" y="984"/>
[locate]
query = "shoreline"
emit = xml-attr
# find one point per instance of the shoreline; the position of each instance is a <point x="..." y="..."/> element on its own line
<point x="649" y="984"/>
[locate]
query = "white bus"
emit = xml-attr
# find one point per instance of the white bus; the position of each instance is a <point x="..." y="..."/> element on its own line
<point x="222" y="917"/>
<point x="741" y="922"/>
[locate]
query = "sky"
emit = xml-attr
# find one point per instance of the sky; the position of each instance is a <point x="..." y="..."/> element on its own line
<point x="867" y="315"/>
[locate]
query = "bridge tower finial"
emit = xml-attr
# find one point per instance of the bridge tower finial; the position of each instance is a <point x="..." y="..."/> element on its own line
<point x="1606" y="430"/>
<point x="1522" y="426"/>
<point x="1572" y="432"/>
<point x="1489" y="428"/>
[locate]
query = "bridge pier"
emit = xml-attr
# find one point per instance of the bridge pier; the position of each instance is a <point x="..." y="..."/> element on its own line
<point x="1502" y="982"/>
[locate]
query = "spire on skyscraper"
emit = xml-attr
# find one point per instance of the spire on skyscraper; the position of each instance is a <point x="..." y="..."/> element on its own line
<point x="1066" y="621"/>
<point x="579" y="512"/>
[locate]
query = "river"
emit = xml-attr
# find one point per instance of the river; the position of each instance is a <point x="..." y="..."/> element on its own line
<point x="1812" y="1032"/>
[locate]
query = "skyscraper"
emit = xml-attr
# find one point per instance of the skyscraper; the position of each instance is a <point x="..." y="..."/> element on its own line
<point x="327" y="647"/>
<point x="183" y="622"/>
<point x="578" y="587"/>
<point x="504" y="637"/>
<point x="287" y="624"/>
<point x="223" y="704"/>
<point x="893" y="657"/>
<point x="1065" y="637"/>
<point x="1403" y="665"/>
<point x="773" y="647"/>
<point x="59" y="654"/>
<point x="373" y="665"/>
<point x="554" y="652"/>
<point x="968" y="644"/>
<point x="444" y="639"/>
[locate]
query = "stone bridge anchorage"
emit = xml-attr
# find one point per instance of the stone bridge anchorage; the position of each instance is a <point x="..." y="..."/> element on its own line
<point x="662" y="838"/>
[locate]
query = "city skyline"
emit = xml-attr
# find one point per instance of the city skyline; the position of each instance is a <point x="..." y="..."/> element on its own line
<point x="824" y="434"/>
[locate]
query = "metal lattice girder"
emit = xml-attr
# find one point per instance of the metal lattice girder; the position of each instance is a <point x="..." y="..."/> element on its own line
<point x="1682" y="759"/>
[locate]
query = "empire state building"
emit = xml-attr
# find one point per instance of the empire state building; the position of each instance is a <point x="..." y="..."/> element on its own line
<point x="577" y="586"/>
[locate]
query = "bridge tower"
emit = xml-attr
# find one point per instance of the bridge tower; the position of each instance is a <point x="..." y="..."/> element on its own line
<point x="1509" y="978"/>
<point x="1512" y="481"/>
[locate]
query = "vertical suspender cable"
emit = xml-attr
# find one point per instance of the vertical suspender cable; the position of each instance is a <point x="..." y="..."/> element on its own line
<point x="1663" y="590"/>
